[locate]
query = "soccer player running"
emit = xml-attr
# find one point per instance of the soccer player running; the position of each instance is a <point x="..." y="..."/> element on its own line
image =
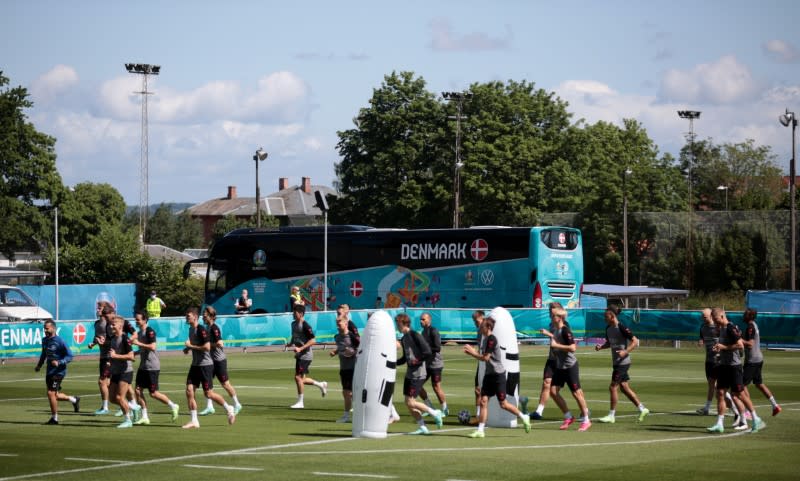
<point x="102" y="331"/>
<point x="729" y="372"/>
<point x="302" y="340"/>
<point x="494" y="378"/>
<point x="56" y="354"/>
<point x="567" y="372"/>
<point x="547" y="372"/>
<point x="435" y="364"/>
<point x="415" y="352"/>
<point x="621" y="341"/>
<point x="149" y="369"/>
<point x="201" y="372"/>
<point x="120" y="352"/>
<point x="754" y="359"/>
<point x="346" y="347"/>
<point x="477" y="319"/>
<point x="220" y="361"/>
<point x="709" y="336"/>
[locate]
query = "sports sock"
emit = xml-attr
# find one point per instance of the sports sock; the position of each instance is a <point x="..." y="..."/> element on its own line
<point x="540" y="409"/>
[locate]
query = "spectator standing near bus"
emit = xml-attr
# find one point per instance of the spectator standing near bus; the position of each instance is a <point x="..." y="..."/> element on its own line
<point x="56" y="354"/>
<point x="347" y="348"/>
<point x="729" y="371"/>
<point x="621" y="341"/>
<point x="434" y="365"/>
<point x="494" y="378"/>
<point x="415" y="352"/>
<point x="201" y="372"/>
<point x="149" y="369"/>
<point x="220" y="361"/>
<point x="243" y="303"/>
<point x="301" y="343"/>
<point x="154" y="305"/>
<point x="567" y="371"/>
<point x="754" y="359"/>
<point x="295" y="298"/>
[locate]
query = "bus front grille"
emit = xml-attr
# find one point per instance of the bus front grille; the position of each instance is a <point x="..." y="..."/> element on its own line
<point x="561" y="285"/>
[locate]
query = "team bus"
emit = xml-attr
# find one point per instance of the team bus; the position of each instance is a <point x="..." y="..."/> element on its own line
<point x="387" y="268"/>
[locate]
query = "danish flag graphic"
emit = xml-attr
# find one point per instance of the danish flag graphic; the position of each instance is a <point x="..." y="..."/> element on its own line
<point x="356" y="289"/>
<point x="479" y="249"/>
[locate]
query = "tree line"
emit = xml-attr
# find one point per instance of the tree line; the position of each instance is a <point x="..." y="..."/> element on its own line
<point x="524" y="157"/>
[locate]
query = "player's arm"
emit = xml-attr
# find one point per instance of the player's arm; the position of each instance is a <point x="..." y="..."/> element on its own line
<point x="604" y="345"/>
<point x="42" y="357"/>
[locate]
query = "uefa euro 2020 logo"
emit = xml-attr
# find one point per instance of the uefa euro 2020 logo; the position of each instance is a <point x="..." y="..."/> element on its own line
<point x="259" y="258"/>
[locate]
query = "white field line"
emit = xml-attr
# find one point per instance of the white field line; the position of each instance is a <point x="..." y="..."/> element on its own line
<point x="227" y="468"/>
<point x="354" y="475"/>
<point x="91" y="460"/>
<point x="277" y="447"/>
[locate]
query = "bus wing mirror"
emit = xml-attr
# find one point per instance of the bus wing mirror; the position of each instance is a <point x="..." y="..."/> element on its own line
<point x="322" y="202"/>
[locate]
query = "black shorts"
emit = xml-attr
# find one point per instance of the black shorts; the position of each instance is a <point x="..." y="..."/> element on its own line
<point x="711" y="370"/>
<point x="620" y="374"/>
<point x="221" y="370"/>
<point x="752" y="373"/>
<point x="346" y="376"/>
<point x="549" y="369"/>
<point x="434" y="374"/>
<point x="104" y="368"/>
<point x="201" y="376"/>
<point x="730" y="377"/>
<point x="147" y="379"/>
<point x="569" y="376"/>
<point x="494" y="385"/>
<point x="301" y="367"/>
<point x="126" y="377"/>
<point x="53" y="382"/>
<point x="411" y="387"/>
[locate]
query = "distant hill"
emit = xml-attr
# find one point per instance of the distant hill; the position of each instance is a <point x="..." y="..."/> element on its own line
<point x="174" y="206"/>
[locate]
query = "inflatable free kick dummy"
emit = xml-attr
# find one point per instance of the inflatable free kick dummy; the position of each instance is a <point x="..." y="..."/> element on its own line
<point x="374" y="377"/>
<point x="506" y="334"/>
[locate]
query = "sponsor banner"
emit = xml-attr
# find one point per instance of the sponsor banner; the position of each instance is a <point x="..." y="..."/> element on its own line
<point x="25" y="340"/>
<point x="78" y="301"/>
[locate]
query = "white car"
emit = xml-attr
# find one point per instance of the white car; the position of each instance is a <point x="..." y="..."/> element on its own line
<point x="17" y="306"/>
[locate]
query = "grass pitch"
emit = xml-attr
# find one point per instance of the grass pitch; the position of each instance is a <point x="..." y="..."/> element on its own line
<point x="270" y="441"/>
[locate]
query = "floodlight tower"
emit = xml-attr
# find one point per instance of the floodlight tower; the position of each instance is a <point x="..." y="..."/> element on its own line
<point x="143" y="69"/>
<point x="787" y="119"/>
<point x="459" y="98"/>
<point x="691" y="115"/>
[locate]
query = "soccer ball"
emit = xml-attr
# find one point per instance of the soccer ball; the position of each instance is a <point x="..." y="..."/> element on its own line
<point x="463" y="416"/>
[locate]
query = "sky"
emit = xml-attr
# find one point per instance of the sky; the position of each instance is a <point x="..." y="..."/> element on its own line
<point x="287" y="76"/>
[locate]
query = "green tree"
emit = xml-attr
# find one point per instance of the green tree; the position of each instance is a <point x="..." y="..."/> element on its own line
<point x="393" y="170"/>
<point x="177" y="231"/>
<point x="87" y="209"/>
<point x="27" y="173"/>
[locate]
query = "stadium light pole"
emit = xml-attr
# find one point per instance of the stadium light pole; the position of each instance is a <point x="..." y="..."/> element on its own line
<point x="259" y="156"/>
<point x="625" y="175"/>
<point x="145" y="70"/>
<point x="725" y="188"/>
<point x="691" y="115"/>
<point x="459" y="98"/>
<point x="789" y="118"/>
<point x="322" y="204"/>
<point x="55" y="215"/>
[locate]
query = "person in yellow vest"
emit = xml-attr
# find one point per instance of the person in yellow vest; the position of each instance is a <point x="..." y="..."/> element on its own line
<point x="295" y="298"/>
<point x="154" y="305"/>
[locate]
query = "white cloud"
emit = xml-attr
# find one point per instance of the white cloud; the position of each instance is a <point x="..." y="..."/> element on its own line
<point x="52" y="83"/>
<point x="722" y="82"/>
<point x="444" y="39"/>
<point x="781" y="51"/>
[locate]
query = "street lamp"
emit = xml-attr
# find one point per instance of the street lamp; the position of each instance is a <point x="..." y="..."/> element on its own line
<point x="259" y="156"/>
<point x="322" y="203"/>
<point x="625" y="175"/>
<point x="459" y="98"/>
<point x="725" y="188"/>
<point x="691" y="115"/>
<point x="789" y="118"/>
